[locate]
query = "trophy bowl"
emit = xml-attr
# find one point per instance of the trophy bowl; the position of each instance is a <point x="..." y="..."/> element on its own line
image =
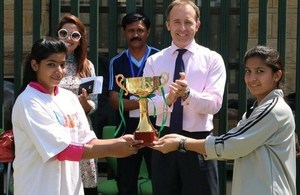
<point x="143" y="87"/>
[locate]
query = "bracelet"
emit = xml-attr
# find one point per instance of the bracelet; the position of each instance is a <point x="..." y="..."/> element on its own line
<point x="186" y="94"/>
<point x="181" y="147"/>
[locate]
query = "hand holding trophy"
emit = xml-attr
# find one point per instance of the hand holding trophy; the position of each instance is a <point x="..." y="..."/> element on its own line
<point x="143" y="87"/>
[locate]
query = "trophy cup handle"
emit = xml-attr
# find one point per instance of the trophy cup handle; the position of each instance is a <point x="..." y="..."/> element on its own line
<point x="164" y="78"/>
<point x="119" y="79"/>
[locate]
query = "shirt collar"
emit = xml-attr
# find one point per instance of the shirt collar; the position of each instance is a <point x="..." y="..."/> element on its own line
<point x="148" y="51"/>
<point x="190" y="47"/>
<point x="41" y="88"/>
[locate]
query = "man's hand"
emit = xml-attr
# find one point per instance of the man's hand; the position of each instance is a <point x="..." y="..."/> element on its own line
<point x="178" y="89"/>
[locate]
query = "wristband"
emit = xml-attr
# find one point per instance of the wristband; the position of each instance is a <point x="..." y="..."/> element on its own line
<point x="181" y="147"/>
<point x="186" y="94"/>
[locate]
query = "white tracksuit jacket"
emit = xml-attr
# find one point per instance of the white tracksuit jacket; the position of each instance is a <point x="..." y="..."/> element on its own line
<point x="263" y="149"/>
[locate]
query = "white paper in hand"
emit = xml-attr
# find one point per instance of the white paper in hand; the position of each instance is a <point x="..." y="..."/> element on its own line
<point x="134" y="113"/>
<point x="93" y="85"/>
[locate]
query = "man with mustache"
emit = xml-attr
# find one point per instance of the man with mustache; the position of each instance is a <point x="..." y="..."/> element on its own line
<point x="130" y="63"/>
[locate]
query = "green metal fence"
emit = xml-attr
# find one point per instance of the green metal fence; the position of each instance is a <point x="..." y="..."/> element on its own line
<point x="224" y="28"/>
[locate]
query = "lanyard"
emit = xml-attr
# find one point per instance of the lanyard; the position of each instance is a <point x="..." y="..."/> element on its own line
<point x="142" y="64"/>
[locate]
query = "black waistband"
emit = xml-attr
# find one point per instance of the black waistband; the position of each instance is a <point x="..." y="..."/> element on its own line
<point x="196" y="134"/>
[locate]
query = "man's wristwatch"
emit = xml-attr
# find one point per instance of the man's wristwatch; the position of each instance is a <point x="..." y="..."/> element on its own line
<point x="186" y="94"/>
<point x="181" y="147"/>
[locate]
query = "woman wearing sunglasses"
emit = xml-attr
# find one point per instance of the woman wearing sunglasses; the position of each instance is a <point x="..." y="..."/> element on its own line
<point x="72" y="31"/>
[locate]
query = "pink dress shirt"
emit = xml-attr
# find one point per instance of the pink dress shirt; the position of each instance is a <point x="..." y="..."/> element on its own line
<point x="206" y="76"/>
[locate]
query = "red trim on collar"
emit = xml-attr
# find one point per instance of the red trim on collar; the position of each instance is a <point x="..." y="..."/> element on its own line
<point x="41" y="88"/>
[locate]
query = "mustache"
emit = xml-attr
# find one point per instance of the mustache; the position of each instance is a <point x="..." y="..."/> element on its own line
<point x="135" y="39"/>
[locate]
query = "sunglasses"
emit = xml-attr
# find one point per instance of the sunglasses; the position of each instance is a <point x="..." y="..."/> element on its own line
<point x="63" y="34"/>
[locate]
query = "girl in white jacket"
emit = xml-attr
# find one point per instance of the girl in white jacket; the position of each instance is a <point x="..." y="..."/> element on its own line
<point x="262" y="145"/>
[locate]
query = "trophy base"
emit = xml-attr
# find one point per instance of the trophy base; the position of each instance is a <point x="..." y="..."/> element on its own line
<point x="147" y="136"/>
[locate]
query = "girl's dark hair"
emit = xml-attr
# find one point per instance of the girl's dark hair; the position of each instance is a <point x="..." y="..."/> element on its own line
<point x="83" y="69"/>
<point x="41" y="50"/>
<point x="269" y="55"/>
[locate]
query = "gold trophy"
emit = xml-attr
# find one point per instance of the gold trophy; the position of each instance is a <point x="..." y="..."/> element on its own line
<point x="143" y="87"/>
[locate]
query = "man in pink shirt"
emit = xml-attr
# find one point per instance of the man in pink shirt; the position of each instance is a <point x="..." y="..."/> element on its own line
<point x="199" y="89"/>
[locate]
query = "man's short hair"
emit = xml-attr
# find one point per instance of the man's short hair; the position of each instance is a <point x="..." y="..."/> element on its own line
<point x="133" y="17"/>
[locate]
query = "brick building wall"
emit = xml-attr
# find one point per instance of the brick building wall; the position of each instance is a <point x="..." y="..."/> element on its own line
<point x="27" y="31"/>
<point x="272" y="28"/>
<point x="291" y="29"/>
